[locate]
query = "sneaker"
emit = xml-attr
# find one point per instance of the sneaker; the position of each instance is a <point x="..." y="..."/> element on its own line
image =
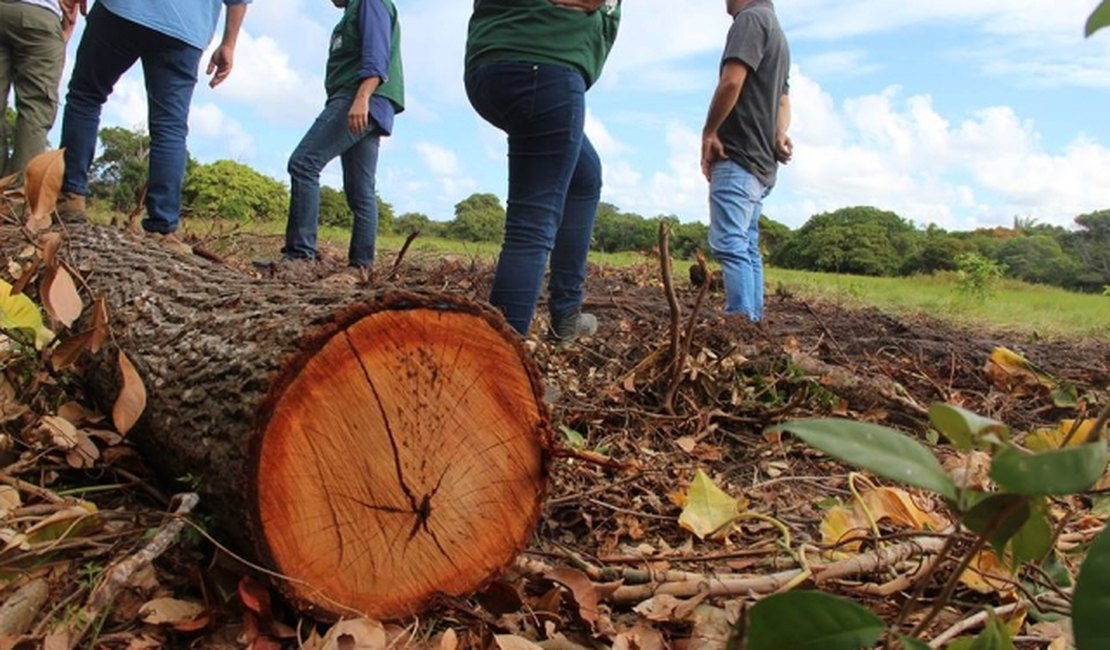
<point x="569" y="328"/>
<point x="171" y="241"/>
<point x="71" y="208"/>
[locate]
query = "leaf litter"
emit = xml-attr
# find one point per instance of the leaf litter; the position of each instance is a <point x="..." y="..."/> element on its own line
<point x="672" y="517"/>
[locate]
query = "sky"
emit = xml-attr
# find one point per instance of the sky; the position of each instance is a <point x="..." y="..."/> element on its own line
<point x="959" y="113"/>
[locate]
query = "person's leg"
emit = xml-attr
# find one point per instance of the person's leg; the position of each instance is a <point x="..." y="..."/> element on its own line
<point x="360" y="165"/>
<point x="170" y="72"/>
<point x="572" y="242"/>
<point x="542" y="109"/>
<point x="8" y="28"/>
<point x="106" y="51"/>
<point x="37" y="67"/>
<point x="734" y="202"/>
<point x="756" y="257"/>
<point x="326" y="139"/>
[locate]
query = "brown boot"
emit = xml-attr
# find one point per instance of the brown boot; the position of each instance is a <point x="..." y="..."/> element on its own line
<point x="71" y="208"/>
<point x="171" y="241"/>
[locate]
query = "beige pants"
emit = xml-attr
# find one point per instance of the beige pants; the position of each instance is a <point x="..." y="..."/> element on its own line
<point x="32" y="53"/>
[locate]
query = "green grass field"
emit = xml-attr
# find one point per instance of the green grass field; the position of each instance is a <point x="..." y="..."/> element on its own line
<point x="1014" y="306"/>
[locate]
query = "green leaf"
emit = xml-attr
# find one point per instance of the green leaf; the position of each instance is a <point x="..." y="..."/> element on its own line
<point x="910" y="643"/>
<point x="1000" y="515"/>
<point x="1100" y="18"/>
<point x="961" y="643"/>
<point x="1034" y="540"/>
<point x="574" y="439"/>
<point x="811" y="620"/>
<point x="994" y="636"/>
<point x="1065" y="395"/>
<point x="1057" y="472"/>
<point x="1091" y="600"/>
<point x="963" y="427"/>
<point x="884" y="451"/>
<point x="18" y="312"/>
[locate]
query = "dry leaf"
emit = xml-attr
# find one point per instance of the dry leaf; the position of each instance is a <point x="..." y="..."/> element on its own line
<point x="132" y="397"/>
<point x="513" y="642"/>
<point x="641" y="637"/>
<point x="686" y="444"/>
<point x="78" y="414"/>
<point x="660" y="609"/>
<point x="170" y="611"/>
<point x="9" y="499"/>
<point x="987" y="574"/>
<point x="85" y="454"/>
<point x="843" y="529"/>
<point x="582" y="589"/>
<point x="100" y="328"/>
<point x="357" y="634"/>
<point x="66" y="353"/>
<point x="51" y="243"/>
<point x="42" y="183"/>
<point x="59" y="296"/>
<point x="446" y="641"/>
<point x="255" y="597"/>
<point x="709" y="509"/>
<point x="62" y="432"/>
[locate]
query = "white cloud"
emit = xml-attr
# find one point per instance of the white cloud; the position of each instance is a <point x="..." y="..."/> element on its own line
<point x="446" y="172"/>
<point x="208" y="121"/>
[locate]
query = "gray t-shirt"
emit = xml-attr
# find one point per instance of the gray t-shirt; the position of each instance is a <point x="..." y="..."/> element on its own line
<point x="748" y="133"/>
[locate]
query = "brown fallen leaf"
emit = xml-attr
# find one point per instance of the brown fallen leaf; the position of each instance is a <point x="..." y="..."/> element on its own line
<point x="42" y="183"/>
<point x="100" y="327"/>
<point x="131" y="401"/>
<point x="356" y="634"/>
<point x="66" y="353"/>
<point x="51" y="242"/>
<point x="170" y="611"/>
<point x="513" y="642"/>
<point x="582" y="589"/>
<point x="59" y="296"/>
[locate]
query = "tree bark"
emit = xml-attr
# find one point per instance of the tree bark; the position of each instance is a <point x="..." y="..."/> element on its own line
<point x="377" y="449"/>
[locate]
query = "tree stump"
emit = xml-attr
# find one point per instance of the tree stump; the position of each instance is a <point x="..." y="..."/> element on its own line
<point x="378" y="449"/>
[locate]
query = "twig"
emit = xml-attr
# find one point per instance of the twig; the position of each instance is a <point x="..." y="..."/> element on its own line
<point x="736" y="586"/>
<point x="688" y="339"/>
<point x="972" y="622"/>
<point x="1095" y="434"/>
<point x="117" y="577"/>
<point x="20" y="609"/>
<point x="31" y="488"/>
<point x="672" y="302"/>
<point x="401" y="255"/>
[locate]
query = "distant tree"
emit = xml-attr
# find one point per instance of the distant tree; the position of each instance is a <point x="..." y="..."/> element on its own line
<point x="623" y="231"/>
<point x="860" y="240"/>
<point x="232" y="190"/>
<point x="1038" y="259"/>
<point x="773" y="235"/>
<point x="479" y="217"/>
<point x="411" y="222"/>
<point x="1091" y="244"/>
<point x="937" y="251"/>
<point x="118" y="174"/>
<point x="687" y="238"/>
<point x="333" y="208"/>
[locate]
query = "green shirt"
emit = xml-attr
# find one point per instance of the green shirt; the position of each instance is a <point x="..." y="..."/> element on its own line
<point x="353" y="56"/>
<point x="536" y="31"/>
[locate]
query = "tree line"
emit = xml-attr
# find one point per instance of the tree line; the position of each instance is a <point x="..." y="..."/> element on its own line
<point x="860" y="240"/>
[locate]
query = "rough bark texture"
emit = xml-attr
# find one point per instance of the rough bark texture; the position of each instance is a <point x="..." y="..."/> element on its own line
<point x="378" y="448"/>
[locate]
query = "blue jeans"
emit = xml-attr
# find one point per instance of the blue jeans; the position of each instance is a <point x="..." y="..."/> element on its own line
<point x="735" y="203"/>
<point x="109" y="47"/>
<point x="554" y="184"/>
<point x="327" y="139"/>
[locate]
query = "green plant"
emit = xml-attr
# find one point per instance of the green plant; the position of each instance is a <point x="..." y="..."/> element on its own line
<point x="1100" y="18"/>
<point x="978" y="275"/>
<point x="1012" y="519"/>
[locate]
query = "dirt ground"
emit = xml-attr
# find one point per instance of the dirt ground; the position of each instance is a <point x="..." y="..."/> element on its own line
<point x="639" y="432"/>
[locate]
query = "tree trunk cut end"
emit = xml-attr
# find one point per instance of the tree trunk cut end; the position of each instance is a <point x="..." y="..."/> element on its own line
<point x="403" y="455"/>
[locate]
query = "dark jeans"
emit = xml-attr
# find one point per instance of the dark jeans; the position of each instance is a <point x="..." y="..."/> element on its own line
<point x="109" y="47"/>
<point x="327" y="139"/>
<point x="554" y="184"/>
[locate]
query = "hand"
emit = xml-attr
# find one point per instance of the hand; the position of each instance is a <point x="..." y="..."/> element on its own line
<point x="69" y="21"/>
<point x="222" y="61"/>
<point x="579" y="5"/>
<point x="68" y="7"/>
<point x="358" y="118"/>
<point x="784" y="148"/>
<point x="712" y="151"/>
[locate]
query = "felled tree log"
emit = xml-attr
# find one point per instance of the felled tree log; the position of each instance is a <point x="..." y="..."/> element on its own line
<point x="377" y="449"/>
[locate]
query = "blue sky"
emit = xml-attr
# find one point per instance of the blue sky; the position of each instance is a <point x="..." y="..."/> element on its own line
<point x="963" y="113"/>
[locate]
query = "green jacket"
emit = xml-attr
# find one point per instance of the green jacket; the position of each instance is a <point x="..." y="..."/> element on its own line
<point x="537" y="31"/>
<point x="345" y="60"/>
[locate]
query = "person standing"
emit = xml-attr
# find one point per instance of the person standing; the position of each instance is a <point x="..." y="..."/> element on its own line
<point x="168" y="36"/>
<point x="743" y="141"/>
<point x="529" y="64"/>
<point x="33" y="36"/>
<point x="365" y="88"/>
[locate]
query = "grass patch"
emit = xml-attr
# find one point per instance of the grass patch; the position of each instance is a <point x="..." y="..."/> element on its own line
<point x="1013" y="306"/>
